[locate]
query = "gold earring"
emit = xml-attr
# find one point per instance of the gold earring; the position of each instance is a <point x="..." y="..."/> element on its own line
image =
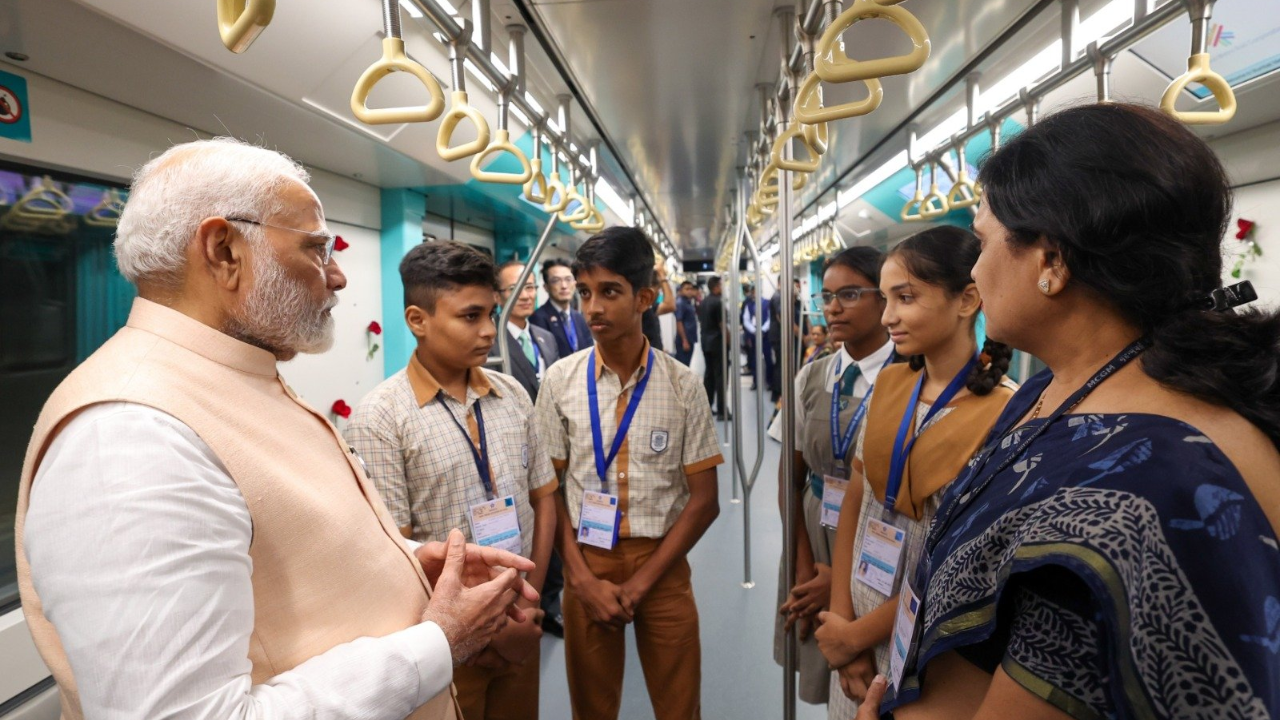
<point x="1044" y="286"/>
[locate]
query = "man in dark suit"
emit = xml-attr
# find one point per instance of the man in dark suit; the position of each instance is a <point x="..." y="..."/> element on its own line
<point x="532" y="349"/>
<point x="545" y="351"/>
<point x="557" y="315"/>
<point x="711" y="316"/>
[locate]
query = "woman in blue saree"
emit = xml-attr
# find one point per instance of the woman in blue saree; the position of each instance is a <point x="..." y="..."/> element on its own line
<point x="1112" y="552"/>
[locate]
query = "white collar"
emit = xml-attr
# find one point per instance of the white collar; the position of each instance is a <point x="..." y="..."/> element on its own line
<point x="516" y="331"/>
<point x="869" y="366"/>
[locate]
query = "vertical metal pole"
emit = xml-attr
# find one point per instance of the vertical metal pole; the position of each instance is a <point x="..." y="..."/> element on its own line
<point x="504" y="337"/>
<point x="480" y="18"/>
<point x="515" y="56"/>
<point x="1070" y="23"/>
<point x="786" y="373"/>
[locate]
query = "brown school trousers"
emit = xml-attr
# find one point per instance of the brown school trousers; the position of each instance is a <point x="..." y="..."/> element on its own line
<point x="666" y="626"/>
<point x="510" y="694"/>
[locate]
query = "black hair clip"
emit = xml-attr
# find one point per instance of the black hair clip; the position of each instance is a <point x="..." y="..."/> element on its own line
<point x="1226" y="298"/>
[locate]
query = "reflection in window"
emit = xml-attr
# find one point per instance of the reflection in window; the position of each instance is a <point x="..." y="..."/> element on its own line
<point x="61" y="297"/>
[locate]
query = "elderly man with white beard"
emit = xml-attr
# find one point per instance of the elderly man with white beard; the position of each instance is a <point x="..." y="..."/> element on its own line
<point x="194" y="541"/>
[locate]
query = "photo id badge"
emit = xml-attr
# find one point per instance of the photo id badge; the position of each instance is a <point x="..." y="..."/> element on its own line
<point x="880" y="558"/>
<point x="833" y="490"/>
<point x="598" y="522"/>
<point x="496" y="524"/>
<point x="904" y="631"/>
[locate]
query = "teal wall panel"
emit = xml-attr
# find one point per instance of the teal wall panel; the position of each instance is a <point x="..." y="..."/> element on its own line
<point x="403" y="212"/>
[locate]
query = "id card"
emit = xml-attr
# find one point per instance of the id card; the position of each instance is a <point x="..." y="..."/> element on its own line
<point x="880" y="557"/>
<point x="598" y="522"/>
<point x="833" y="490"/>
<point x="904" y="628"/>
<point x="496" y="524"/>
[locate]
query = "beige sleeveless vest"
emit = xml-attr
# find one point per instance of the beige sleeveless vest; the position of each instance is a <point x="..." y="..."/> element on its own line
<point x="329" y="565"/>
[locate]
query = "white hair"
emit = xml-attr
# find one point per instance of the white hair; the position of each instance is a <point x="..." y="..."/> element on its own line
<point x="175" y="192"/>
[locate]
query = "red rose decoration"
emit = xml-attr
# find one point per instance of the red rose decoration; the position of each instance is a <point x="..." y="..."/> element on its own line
<point x="339" y="244"/>
<point x="341" y="409"/>
<point x="375" y="328"/>
<point x="1246" y="226"/>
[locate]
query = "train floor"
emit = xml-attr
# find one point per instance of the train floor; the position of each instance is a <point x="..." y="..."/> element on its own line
<point x="739" y="677"/>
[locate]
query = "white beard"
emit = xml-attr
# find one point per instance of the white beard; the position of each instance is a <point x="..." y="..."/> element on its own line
<point x="279" y="315"/>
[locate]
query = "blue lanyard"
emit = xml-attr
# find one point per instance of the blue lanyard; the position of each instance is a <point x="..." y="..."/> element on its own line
<point x="840" y="445"/>
<point x="537" y="354"/>
<point x="597" y="438"/>
<point x="971" y="486"/>
<point x="482" y="455"/>
<point x="901" y="446"/>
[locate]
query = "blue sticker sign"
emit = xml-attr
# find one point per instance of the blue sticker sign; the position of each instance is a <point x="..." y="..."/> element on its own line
<point x="15" y="113"/>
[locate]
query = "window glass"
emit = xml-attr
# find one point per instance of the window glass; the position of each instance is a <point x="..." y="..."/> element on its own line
<point x="60" y="298"/>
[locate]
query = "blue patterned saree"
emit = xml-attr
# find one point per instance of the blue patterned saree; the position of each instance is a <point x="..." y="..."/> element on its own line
<point x="1120" y="569"/>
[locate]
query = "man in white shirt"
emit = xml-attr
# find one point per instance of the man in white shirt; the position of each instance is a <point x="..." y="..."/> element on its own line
<point x="193" y="540"/>
<point x="532" y="349"/>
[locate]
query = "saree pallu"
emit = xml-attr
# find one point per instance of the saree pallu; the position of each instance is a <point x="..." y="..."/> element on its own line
<point x="1120" y="568"/>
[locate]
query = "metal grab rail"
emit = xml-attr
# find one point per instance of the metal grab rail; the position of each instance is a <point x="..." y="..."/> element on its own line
<point x="240" y="22"/>
<point x="1198" y="71"/>
<point x="504" y="337"/>
<point x="555" y="187"/>
<point x="798" y="166"/>
<point x="916" y="201"/>
<point x="107" y="212"/>
<point x="964" y="192"/>
<point x="460" y="109"/>
<point x="536" y="189"/>
<point x="746" y="480"/>
<point x="810" y="110"/>
<point x="394" y="60"/>
<point x="928" y="209"/>
<point x="502" y="144"/>
<point x="833" y="65"/>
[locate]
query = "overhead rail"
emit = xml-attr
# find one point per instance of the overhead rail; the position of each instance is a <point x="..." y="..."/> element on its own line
<point x="1074" y="63"/>
<point x="1097" y="57"/>
<point x="240" y="22"/>
<point x="824" y="60"/>
<point x="394" y="60"/>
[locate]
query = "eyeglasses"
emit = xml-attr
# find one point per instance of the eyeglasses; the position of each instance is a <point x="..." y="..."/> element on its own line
<point x="329" y="239"/>
<point x="528" y="287"/>
<point x="560" y="281"/>
<point x="848" y="296"/>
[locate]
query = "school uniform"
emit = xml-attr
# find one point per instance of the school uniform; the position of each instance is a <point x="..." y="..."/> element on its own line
<point x="815" y="385"/>
<point x="410" y="434"/>
<point x="671" y="436"/>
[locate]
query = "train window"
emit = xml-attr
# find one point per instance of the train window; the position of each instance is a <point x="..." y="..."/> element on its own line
<point x="60" y="298"/>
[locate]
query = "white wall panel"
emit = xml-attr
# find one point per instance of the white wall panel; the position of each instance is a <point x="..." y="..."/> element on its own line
<point x="346" y="372"/>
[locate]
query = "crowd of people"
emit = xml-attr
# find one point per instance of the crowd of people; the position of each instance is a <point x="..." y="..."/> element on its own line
<point x="195" y="541"/>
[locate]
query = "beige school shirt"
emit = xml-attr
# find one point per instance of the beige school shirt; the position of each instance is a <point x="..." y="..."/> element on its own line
<point x="407" y="431"/>
<point x="671" y="437"/>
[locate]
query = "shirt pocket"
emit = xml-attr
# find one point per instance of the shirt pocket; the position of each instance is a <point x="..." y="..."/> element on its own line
<point x="656" y="447"/>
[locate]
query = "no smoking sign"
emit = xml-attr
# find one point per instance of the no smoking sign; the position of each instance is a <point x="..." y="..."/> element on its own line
<point x="11" y="109"/>
<point x="15" y="108"/>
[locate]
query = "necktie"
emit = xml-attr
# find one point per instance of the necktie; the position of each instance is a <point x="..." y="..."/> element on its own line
<point x="570" y="331"/>
<point x="528" y="350"/>
<point x="850" y="376"/>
